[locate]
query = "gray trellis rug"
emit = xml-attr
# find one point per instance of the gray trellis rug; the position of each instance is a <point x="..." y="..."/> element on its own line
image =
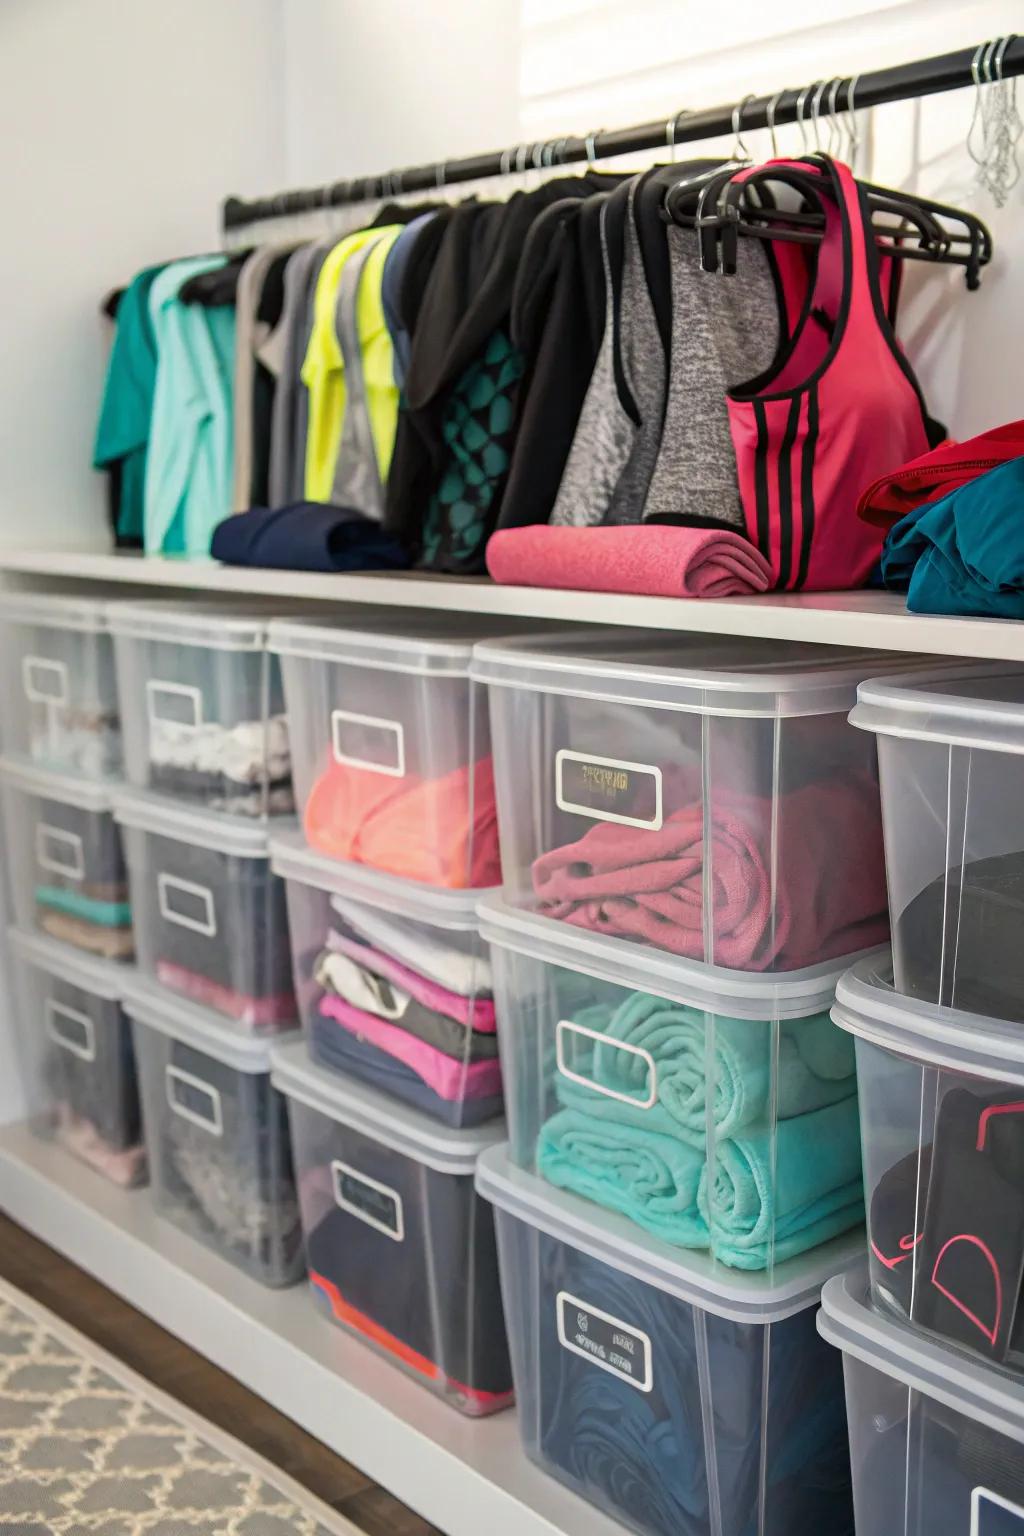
<point x="87" y="1448"/>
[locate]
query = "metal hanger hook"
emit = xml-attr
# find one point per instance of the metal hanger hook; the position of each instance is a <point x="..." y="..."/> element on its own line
<point x="739" y="149"/>
<point x="770" y="111"/>
<point x="670" y="130"/>
<point x="590" y="143"/>
<point x="835" y="133"/>
<point x="852" y="131"/>
<point x="816" y="112"/>
<point x="801" y="103"/>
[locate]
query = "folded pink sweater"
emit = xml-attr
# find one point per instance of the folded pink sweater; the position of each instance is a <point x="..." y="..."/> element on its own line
<point x="828" y="897"/>
<point x="650" y="559"/>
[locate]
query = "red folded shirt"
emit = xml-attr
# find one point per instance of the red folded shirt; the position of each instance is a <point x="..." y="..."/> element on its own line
<point x="935" y="474"/>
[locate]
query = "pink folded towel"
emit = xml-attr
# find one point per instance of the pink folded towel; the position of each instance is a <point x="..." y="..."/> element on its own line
<point x="827" y="897"/>
<point x="652" y="560"/>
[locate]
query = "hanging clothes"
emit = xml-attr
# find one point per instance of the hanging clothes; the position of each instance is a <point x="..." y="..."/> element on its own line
<point x="122" y="433"/>
<point x="259" y="304"/>
<point x="839" y="406"/>
<point x="371" y="395"/>
<point x="289" y="420"/>
<point x="189" y="466"/>
<point x="323" y="370"/>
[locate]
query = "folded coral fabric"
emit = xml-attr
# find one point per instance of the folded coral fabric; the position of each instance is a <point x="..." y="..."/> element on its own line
<point x="775" y="1195"/>
<point x="810" y="1062"/>
<point x="475" y="1014"/>
<point x="936" y="474"/>
<point x="787" y="890"/>
<point x="448" y="1078"/>
<point x="649" y="1176"/>
<point x="306" y="537"/>
<point x="652" y="560"/>
<point x="439" y="831"/>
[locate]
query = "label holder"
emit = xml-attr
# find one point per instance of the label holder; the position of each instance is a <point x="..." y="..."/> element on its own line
<point x="568" y="1027"/>
<point x="84" y="1049"/>
<point x="608" y="766"/>
<point x="340" y="1172"/>
<point x="168" y="885"/>
<point x="155" y="690"/>
<point x="174" y="1077"/>
<point x="586" y="1315"/>
<point x="342" y="717"/>
<point x="993" y="1515"/>
<point x="34" y="670"/>
<point x="50" y="839"/>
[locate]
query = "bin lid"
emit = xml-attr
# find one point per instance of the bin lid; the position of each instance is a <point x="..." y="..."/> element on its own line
<point x="923" y="1364"/>
<point x="435" y="905"/>
<point x="431" y="643"/>
<point x="743" y="1296"/>
<point x="101" y="978"/>
<point x="735" y="994"/>
<point x="727" y="675"/>
<point x="157" y="1008"/>
<point x="66" y="788"/>
<point x="216" y="625"/>
<point x="88" y="614"/>
<point x="203" y="829"/>
<point x="965" y="704"/>
<point x="867" y="1005"/>
<point x="378" y="1116"/>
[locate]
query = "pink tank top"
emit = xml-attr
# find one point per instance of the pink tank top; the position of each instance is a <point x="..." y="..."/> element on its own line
<point x="839" y="407"/>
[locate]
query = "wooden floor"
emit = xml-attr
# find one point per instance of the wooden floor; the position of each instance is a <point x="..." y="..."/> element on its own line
<point x="162" y="1359"/>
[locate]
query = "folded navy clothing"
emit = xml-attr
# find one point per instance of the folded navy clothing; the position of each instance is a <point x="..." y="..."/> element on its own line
<point x="340" y="1050"/>
<point x="309" y="536"/>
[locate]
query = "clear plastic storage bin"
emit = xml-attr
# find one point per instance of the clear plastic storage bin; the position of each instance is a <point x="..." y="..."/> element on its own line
<point x="203" y="707"/>
<point x="942" y="1123"/>
<point x="936" y="1441"/>
<point x="66" y="867"/>
<point x="393" y="984"/>
<point x="75" y="1044"/>
<point x="217" y="1135"/>
<point x="211" y="920"/>
<point x="392" y="746"/>
<point x="950" y="741"/>
<point x="59" y="691"/>
<point x="715" y="1109"/>
<point x="400" y="1248"/>
<point x="680" y="1403"/>
<point x="708" y="798"/>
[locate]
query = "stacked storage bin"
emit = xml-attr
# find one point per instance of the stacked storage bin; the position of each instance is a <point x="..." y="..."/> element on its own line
<point x="208" y="765"/>
<point x="68" y="881"/>
<point x="395" y="1090"/>
<point x="692" y="851"/>
<point x="933" y="1336"/>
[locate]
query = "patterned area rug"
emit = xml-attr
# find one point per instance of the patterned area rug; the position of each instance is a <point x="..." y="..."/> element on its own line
<point x="87" y="1448"/>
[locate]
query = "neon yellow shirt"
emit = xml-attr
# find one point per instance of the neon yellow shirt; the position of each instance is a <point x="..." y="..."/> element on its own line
<point x="323" y="369"/>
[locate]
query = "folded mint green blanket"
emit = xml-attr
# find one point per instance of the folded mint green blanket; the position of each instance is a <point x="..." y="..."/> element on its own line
<point x="108" y="914"/>
<point x="762" y="1209"/>
<point x="697" y="1054"/>
<point x="651" y="1177"/>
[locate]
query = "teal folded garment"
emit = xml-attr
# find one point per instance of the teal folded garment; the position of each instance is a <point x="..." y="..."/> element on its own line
<point x="691" y="1048"/>
<point x="646" y="1175"/>
<point x="108" y="914"/>
<point x="763" y="1210"/>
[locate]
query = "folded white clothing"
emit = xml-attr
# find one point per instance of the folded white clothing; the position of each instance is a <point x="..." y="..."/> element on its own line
<point x="463" y="970"/>
<point x="244" y="753"/>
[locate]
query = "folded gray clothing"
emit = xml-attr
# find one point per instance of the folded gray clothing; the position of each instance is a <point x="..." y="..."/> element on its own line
<point x="345" y="978"/>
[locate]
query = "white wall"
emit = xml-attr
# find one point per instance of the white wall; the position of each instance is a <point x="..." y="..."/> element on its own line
<point x="377" y="84"/>
<point x="123" y="123"/>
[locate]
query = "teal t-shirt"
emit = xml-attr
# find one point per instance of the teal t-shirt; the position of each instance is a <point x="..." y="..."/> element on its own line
<point x="122" y="432"/>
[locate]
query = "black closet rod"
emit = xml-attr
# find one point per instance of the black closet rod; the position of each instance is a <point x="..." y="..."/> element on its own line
<point x="903" y="82"/>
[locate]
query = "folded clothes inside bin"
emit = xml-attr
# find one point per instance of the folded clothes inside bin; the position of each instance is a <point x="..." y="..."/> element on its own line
<point x="393" y="985"/>
<point x="678" y="1406"/>
<point x="400" y="1248"/>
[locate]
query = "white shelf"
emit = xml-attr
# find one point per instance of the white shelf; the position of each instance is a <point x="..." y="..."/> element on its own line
<point x="465" y="1476"/>
<point x="876" y="620"/>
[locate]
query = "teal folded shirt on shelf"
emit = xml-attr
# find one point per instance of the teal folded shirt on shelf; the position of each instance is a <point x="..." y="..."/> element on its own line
<point x="784" y="1173"/>
<point x="108" y="914"/>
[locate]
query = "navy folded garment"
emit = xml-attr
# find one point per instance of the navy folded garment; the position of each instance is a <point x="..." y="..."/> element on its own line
<point x="335" y="1047"/>
<point x="309" y="536"/>
<point x="644" y="1455"/>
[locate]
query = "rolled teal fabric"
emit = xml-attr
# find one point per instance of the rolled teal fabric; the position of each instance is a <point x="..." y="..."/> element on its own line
<point x="108" y="914"/>
<point x="762" y="1209"/>
<point x="646" y="1175"/>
